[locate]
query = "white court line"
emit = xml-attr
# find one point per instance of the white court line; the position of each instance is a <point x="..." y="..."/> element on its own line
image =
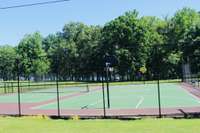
<point x="140" y="102"/>
<point x="192" y="95"/>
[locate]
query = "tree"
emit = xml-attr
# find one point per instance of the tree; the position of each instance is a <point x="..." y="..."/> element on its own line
<point x="7" y="62"/>
<point x="81" y="40"/>
<point x="137" y="35"/>
<point x="176" y="33"/>
<point x="191" y="48"/>
<point x="178" y="27"/>
<point x="78" y="51"/>
<point x="33" y="58"/>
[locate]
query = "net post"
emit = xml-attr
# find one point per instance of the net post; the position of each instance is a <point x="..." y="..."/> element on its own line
<point x="12" y="87"/>
<point x="87" y="88"/>
<point x="4" y="87"/>
<point x="8" y="87"/>
<point x="198" y="79"/>
<point x="144" y="79"/>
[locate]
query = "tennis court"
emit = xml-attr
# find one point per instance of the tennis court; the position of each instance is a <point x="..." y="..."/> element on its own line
<point x="131" y="99"/>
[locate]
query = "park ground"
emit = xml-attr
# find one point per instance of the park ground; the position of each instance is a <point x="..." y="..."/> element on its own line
<point x="44" y="125"/>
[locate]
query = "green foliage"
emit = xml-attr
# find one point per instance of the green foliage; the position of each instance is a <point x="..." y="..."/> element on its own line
<point x="33" y="58"/>
<point x="191" y="48"/>
<point x="7" y="62"/>
<point x="78" y="51"/>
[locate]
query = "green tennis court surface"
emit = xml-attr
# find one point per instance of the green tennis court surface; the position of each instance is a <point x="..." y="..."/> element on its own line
<point x="135" y="96"/>
<point x="131" y="97"/>
<point x="41" y="95"/>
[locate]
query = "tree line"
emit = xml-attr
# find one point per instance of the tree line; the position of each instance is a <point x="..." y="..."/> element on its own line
<point x="78" y="51"/>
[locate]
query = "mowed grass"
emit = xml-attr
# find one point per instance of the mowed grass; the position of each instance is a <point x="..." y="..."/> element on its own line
<point x="39" y="125"/>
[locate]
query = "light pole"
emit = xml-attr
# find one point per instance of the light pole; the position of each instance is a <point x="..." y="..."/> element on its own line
<point x="109" y="61"/>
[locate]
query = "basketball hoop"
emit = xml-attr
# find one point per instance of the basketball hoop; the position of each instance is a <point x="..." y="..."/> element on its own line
<point x="110" y="69"/>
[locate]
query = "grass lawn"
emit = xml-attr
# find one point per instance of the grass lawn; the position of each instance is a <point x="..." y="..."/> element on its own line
<point x="39" y="125"/>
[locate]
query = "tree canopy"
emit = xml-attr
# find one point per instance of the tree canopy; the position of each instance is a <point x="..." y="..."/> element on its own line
<point x="137" y="44"/>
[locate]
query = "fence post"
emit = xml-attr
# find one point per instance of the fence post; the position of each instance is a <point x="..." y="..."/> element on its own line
<point x="158" y="82"/>
<point x="159" y="100"/>
<point x="18" y="88"/>
<point x="103" y="91"/>
<point x="57" y="87"/>
<point x="58" y="97"/>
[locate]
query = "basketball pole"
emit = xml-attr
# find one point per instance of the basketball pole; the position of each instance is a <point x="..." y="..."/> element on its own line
<point x="107" y="83"/>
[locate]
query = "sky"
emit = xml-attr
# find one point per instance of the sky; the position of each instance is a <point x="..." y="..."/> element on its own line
<point x="48" y="19"/>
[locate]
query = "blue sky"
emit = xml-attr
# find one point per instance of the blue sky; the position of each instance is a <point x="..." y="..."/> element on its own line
<point x="15" y="23"/>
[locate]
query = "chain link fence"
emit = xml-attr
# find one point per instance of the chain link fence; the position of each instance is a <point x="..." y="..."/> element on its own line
<point x="168" y="84"/>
